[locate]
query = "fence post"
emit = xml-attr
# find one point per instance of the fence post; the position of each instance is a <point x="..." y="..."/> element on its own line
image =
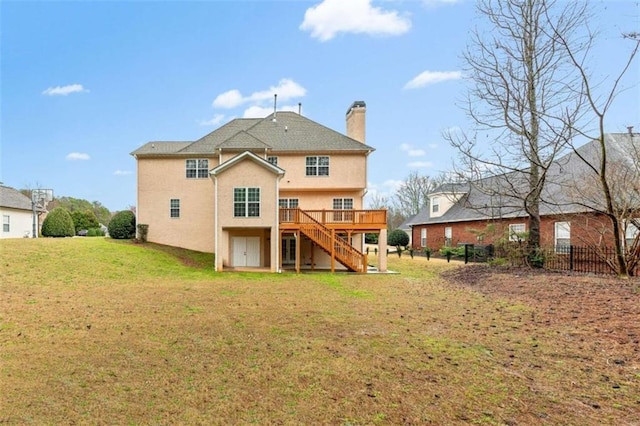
<point x="571" y="257"/>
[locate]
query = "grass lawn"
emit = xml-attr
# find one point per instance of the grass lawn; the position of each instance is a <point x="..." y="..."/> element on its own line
<point x="94" y="331"/>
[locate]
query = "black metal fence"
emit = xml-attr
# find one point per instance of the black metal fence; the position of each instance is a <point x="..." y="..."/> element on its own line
<point x="587" y="259"/>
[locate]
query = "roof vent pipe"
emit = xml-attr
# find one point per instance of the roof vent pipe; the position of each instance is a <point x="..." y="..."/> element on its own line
<point x="630" y="129"/>
<point x="299" y="108"/>
<point x="275" y="101"/>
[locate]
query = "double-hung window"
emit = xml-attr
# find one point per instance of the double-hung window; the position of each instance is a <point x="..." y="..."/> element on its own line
<point x="448" y="236"/>
<point x="435" y="205"/>
<point x="343" y="204"/>
<point x="197" y="168"/>
<point x="174" y="208"/>
<point x="246" y="202"/>
<point x="6" y="223"/>
<point x="423" y="237"/>
<point x="562" y="237"/>
<point x="287" y="203"/>
<point x="516" y="231"/>
<point x="631" y="233"/>
<point x="317" y="166"/>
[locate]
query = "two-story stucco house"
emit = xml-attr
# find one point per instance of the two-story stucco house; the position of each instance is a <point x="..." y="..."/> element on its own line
<point x="281" y="192"/>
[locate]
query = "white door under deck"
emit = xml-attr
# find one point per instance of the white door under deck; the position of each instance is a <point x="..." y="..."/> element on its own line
<point x="246" y="251"/>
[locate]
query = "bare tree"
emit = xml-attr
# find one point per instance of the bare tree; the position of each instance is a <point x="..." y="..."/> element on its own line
<point x="618" y="180"/>
<point x="413" y="193"/>
<point x="521" y="102"/>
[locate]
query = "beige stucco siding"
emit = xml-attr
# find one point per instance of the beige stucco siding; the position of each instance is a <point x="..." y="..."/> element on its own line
<point x="159" y="181"/>
<point x="345" y="171"/>
<point x="247" y="174"/>
<point x="323" y="200"/>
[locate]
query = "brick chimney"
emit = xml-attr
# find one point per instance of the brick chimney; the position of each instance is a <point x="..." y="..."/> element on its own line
<point x="356" y="121"/>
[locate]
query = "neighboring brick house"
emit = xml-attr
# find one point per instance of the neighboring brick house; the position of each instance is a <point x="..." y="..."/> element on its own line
<point x="277" y="192"/>
<point x="481" y="214"/>
<point x="17" y="214"/>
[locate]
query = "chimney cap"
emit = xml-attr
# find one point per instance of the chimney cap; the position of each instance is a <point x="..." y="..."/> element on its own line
<point x="356" y="104"/>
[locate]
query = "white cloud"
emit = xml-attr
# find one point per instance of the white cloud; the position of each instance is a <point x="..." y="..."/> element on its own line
<point x="122" y="172"/>
<point x="74" y="156"/>
<point x="411" y="151"/>
<point x="230" y="99"/>
<point x="432" y="77"/>
<point x="331" y="17"/>
<point x="435" y="3"/>
<point x="64" y="90"/>
<point x="286" y="89"/>
<point x="420" y="165"/>
<point x="215" y="121"/>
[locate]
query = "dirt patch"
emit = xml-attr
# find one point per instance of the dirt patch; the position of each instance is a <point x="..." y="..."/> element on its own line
<point x="604" y="311"/>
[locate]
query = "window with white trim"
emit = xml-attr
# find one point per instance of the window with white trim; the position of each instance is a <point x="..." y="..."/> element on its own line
<point x="317" y="166"/>
<point x="562" y="237"/>
<point x="516" y="231"/>
<point x="631" y="232"/>
<point x="435" y="204"/>
<point x="448" y="236"/>
<point x="287" y="203"/>
<point x="197" y="168"/>
<point x="6" y="223"/>
<point x="246" y="202"/>
<point x="174" y="208"/>
<point x="343" y="204"/>
<point x="273" y="160"/>
<point x="423" y="237"/>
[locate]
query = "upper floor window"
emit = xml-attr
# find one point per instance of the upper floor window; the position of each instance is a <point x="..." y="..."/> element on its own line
<point x="197" y="169"/>
<point x="273" y="160"/>
<point x="435" y="205"/>
<point x="516" y="231"/>
<point x="6" y="223"/>
<point x="317" y="166"/>
<point x="174" y="207"/>
<point x="246" y="202"/>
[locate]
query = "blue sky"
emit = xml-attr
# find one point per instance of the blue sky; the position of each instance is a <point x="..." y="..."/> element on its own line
<point x="85" y="83"/>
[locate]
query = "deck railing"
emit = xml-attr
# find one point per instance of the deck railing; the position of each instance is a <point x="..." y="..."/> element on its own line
<point x="336" y="217"/>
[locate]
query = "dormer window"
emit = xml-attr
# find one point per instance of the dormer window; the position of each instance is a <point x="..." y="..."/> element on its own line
<point x="435" y="204"/>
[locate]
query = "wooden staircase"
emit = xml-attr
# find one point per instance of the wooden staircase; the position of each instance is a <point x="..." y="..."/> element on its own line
<point x="331" y="243"/>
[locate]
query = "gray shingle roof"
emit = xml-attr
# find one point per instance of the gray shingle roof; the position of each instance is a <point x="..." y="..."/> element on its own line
<point x="565" y="190"/>
<point x="289" y="132"/>
<point x="14" y="199"/>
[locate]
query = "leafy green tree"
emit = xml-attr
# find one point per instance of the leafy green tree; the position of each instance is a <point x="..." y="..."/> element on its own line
<point x="397" y="238"/>
<point x="102" y="213"/>
<point x="58" y="223"/>
<point x="77" y="204"/>
<point x="123" y="225"/>
<point x="85" y="219"/>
